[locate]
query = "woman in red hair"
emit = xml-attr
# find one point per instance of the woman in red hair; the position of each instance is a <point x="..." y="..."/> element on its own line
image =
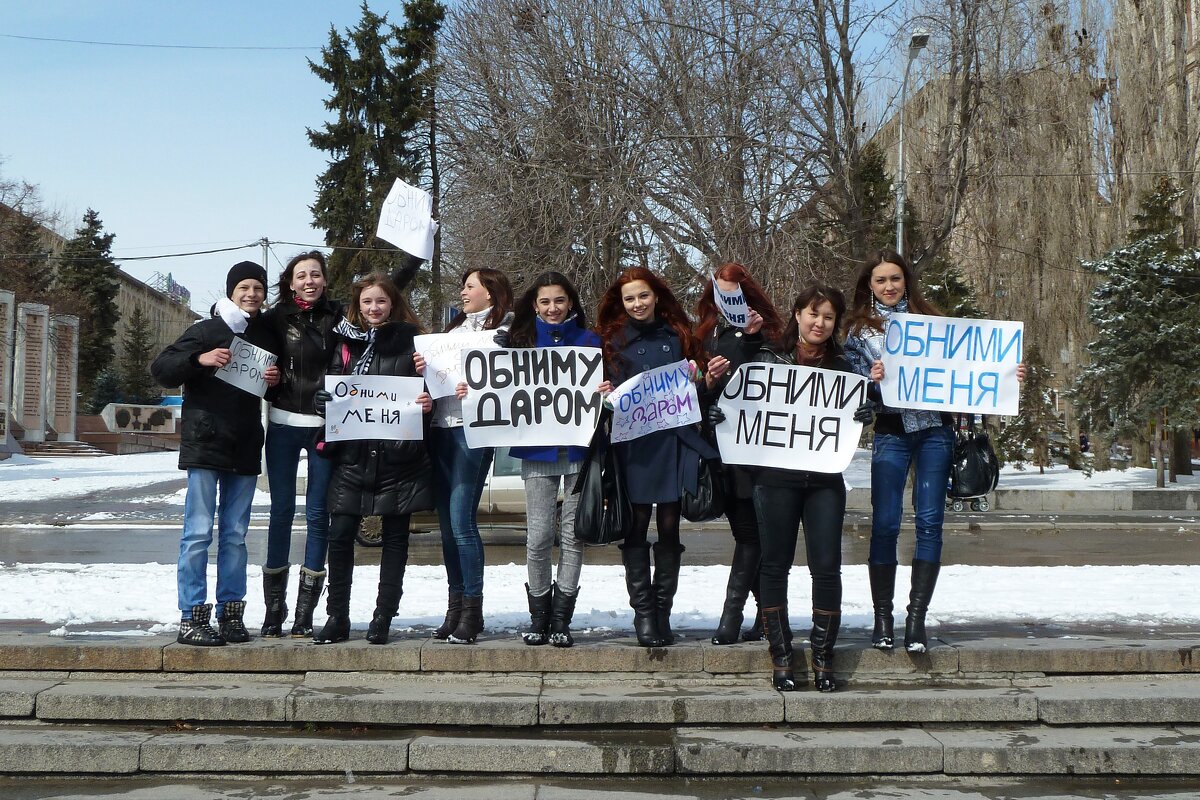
<point x="643" y="327"/>
<point x="722" y="338"/>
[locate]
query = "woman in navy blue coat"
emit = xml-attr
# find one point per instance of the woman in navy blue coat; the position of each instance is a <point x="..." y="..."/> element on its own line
<point x="643" y="327"/>
<point x="549" y="314"/>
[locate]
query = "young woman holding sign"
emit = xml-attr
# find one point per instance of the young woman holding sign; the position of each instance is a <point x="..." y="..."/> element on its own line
<point x="549" y="314"/>
<point x="459" y="471"/>
<point x="220" y="446"/>
<point x="643" y="327"/>
<point x="784" y="499"/>
<point x="738" y="345"/>
<point x="304" y="320"/>
<point x="903" y="437"/>
<point x="389" y="479"/>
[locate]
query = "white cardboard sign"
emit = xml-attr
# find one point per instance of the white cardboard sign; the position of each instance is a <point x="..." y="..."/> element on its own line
<point x="406" y="220"/>
<point x="655" y="400"/>
<point x="732" y="305"/>
<point x="247" y="367"/>
<point x="532" y="396"/>
<point x="443" y="356"/>
<point x="373" y="407"/>
<point x="789" y="417"/>
<point x="953" y="365"/>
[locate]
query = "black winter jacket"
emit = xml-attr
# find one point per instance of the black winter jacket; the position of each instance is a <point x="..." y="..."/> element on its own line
<point x="371" y="477"/>
<point x="221" y="425"/>
<point x="307" y="338"/>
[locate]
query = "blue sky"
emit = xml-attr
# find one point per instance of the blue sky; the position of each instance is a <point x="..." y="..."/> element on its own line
<point x="177" y="149"/>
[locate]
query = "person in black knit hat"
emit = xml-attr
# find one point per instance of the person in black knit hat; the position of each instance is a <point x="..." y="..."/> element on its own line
<point x="220" y="443"/>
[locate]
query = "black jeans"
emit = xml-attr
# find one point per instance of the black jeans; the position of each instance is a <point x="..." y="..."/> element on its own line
<point x="391" y="562"/>
<point x="781" y="509"/>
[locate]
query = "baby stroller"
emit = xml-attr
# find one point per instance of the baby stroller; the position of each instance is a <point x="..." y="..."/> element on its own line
<point x="974" y="471"/>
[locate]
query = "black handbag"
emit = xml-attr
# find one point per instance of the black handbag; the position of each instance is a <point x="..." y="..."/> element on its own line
<point x="975" y="470"/>
<point x="709" y="501"/>
<point x="605" y="514"/>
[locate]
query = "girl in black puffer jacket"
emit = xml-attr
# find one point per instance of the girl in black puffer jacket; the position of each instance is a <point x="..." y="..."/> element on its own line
<point x="390" y="479"/>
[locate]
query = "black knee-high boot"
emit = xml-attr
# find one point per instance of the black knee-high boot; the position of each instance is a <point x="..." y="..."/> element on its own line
<point x="779" y="642"/>
<point x="822" y="639"/>
<point x="275" y="581"/>
<point x="340" y="574"/>
<point x="667" y="560"/>
<point x="636" y="559"/>
<point x="883" y="588"/>
<point x="924" y="578"/>
<point x="743" y="574"/>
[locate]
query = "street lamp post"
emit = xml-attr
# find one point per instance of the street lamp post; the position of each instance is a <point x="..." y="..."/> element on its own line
<point x="915" y="45"/>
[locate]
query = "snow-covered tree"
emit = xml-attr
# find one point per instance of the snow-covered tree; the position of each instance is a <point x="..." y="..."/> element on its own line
<point x="1038" y="433"/>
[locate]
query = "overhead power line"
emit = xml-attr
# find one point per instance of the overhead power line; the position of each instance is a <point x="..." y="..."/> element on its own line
<point x="156" y="46"/>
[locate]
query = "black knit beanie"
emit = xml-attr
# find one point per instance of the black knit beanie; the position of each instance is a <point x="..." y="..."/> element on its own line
<point x="240" y="272"/>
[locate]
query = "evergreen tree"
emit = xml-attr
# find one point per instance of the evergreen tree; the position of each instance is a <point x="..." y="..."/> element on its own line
<point x="87" y="284"/>
<point x="944" y="286"/>
<point x="106" y="389"/>
<point x="1147" y="322"/>
<point x="137" y="351"/>
<point x="370" y="143"/>
<point x="1038" y="432"/>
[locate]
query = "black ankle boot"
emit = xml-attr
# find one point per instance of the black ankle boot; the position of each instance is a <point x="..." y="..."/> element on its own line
<point x="667" y="561"/>
<point x="196" y="630"/>
<point x="883" y="588"/>
<point x="311" y="583"/>
<point x="233" y="625"/>
<point x="336" y="629"/>
<point x="275" y="583"/>
<point x="924" y="578"/>
<point x="561" y="610"/>
<point x="636" y="559"/>
<point x="539" y="618"/>
<point x="378" y="630"/>
<point x="743" y="570"/>
<point x="470" y="624"/>
<point x="822" y="639"/>
<point x="453" y="612"/>
<point x="779" y="642"/>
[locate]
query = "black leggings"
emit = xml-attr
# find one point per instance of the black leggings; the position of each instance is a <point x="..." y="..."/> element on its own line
<point x="743" y="520"/>
<point x="668" y="525"/>
<point x="781" y="509"/>
<point x="392" y="561"/>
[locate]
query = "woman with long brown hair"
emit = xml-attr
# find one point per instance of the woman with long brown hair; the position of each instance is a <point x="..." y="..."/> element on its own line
<point x="721" y="338"/>
<point x="460" y="471"/>
<point x="642" y="326"/>
<point x="389" y="479"/>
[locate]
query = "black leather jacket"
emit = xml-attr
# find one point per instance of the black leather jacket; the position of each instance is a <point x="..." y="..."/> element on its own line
<point x="307" y="339"/>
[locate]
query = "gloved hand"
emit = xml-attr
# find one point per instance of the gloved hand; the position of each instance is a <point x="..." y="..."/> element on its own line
<point x="714" y="416"/>
<point x="865" y="413"/>
<point x="320" y="398"/>
<point x="501" y="338"/>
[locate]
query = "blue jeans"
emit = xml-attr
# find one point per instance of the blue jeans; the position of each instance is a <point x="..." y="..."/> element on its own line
<point x="284" y="445"/>
<point x="233" y="518"/>
<point x="932" y="451"/>
<point x="458" y="477"/>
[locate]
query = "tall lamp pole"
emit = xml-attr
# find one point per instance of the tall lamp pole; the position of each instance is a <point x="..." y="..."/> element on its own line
<point x="915" y="45"/>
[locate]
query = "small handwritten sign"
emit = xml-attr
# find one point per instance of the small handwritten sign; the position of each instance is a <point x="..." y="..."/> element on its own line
<point x="247" y="367"/>
<point x="406" y="220"/>
<point x="732" y="305"/>
<point x="655" y="400"/>
<point x="373" y="407"/>
<point x="443" y="357"/>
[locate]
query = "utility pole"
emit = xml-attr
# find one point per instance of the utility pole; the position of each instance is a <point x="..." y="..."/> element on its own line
<point x="915" y="45"/>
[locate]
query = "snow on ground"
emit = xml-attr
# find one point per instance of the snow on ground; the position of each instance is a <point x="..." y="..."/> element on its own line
<point x="1125" y="595"/>
<point x="75" y="596"/>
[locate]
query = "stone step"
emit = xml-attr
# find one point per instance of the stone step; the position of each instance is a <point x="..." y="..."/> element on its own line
<point x="397" y="700"/>
<point x="788" y="750"/>
<point x="957" y="658"/>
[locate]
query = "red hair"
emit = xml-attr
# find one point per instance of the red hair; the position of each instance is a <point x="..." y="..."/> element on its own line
<point x="707" y="312"/>
<point x="611" y="317"/>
